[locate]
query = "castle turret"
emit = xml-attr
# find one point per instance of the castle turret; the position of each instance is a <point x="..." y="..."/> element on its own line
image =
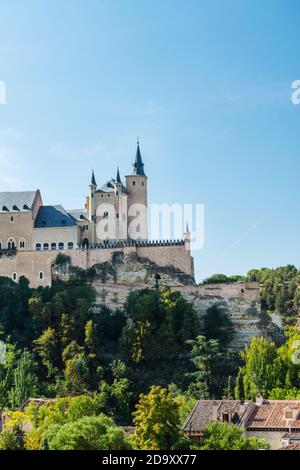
<point x="136" y="185"/>
<point x="92" y="205"/>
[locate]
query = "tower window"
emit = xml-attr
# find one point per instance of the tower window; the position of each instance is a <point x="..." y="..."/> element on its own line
<point x="142" y="183"/>
<point x="14" y="276"/>
<point x="105" y="215"/>
<point x="11" y="218"/>
<point x="133" y="183"/>
<point x="41" y="275"/>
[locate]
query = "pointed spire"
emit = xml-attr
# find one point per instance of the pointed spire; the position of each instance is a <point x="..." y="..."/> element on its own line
<point x="138" y="166"/>
<point x="118" y="178"/>
<point x="93" y="180"/>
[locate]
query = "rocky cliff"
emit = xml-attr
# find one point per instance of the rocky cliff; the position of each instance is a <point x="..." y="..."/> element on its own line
<point x="114" y="279"/>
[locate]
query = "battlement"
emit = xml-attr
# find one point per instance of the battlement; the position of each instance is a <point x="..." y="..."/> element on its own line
<point x="108" y="244"/>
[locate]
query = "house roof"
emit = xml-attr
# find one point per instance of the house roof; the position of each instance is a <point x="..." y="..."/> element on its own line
<point x="206" y="411"/>
<point x="269" y="414"/>
<point x="294" y="446"/>
<point x="53" y="216"/>
<point x="17" y="200"/>
<point x="38" y="401"/>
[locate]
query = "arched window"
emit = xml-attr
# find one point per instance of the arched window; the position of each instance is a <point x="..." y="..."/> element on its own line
<point x="11" y="218"/>
<point x="14" y="276"/>
<point x="11" y="245"/>
<point x="22" y="243"/>
<point x="53" y="246"/>
<point x="38" y="246"/>
<point x="105" y="215"/>
<point x="41" y="275"/>
<point x="133" y="183"/>
<point x="61" y="246"/>
<point x="46" y="246"/>
<point x="70" y="245"/>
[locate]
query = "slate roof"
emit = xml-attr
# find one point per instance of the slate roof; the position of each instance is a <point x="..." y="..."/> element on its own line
<point x="78" y="215"/>
<point x="138" y="166"/>
<point x="17" y="200"/>
<point x="206" y="411"/>
<point x="53" y="216"/>
<point x="109" y="186"/>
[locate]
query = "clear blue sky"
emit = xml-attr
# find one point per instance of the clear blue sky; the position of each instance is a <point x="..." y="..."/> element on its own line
<point x="205" y="84"/>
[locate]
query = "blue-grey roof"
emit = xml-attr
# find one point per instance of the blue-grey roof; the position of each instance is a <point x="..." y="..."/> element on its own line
<point x="53" y="216"/>
<point x="78" y="214"/>
<point x="109" y="187"/>
<point x="16" y="200"/>
<point x="138" y="166"/>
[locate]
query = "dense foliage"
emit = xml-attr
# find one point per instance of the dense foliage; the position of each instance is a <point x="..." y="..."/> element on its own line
<point x="144" y="364"/>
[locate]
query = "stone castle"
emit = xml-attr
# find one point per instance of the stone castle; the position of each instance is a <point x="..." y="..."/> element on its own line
<point x="32" y="235"/>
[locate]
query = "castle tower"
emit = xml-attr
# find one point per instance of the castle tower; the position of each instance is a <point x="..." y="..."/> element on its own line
<point x="92" y="206"/>
<point x="136" y="185"/>
<point x="120" y="209"/>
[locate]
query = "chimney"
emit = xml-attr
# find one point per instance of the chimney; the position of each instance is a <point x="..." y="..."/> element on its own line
<point x="259" y="400"/>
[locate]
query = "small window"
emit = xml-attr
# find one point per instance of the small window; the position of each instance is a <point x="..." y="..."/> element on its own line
<point x="11" y="218"/>
<point x="41" y="275"/>
<point x="11" y="244"/>
<point x="53" y="246"/>
<point x="117" y="215"/>
<point x="61" y="246"/>
<point x="225" y="418"/>
<point x="86" y="227"/>
<point x="108" y="195"/>
<point x="0" y="245"/>
<point x="14" y="276"/>
<point x="22" y="243"/>
<point x="133" y="183"/>
<point x="289" y="415"/>
<point x="38" y="247"/>
<point x="70" y="245"/>
<point x="117" y="193"/>
<point x="105" y="215"/>
<point x="46" y="246"/>
<point x="142" y="183"/>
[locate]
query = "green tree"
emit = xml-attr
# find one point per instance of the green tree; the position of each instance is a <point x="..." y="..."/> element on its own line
<point x="157" y="421"/>
<point x="223" y="436"/>
<point x="25" y="380"/>
<point x="88" y="433"/>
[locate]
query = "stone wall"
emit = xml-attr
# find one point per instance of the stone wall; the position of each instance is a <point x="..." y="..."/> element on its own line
<point x="32" y="263"/>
